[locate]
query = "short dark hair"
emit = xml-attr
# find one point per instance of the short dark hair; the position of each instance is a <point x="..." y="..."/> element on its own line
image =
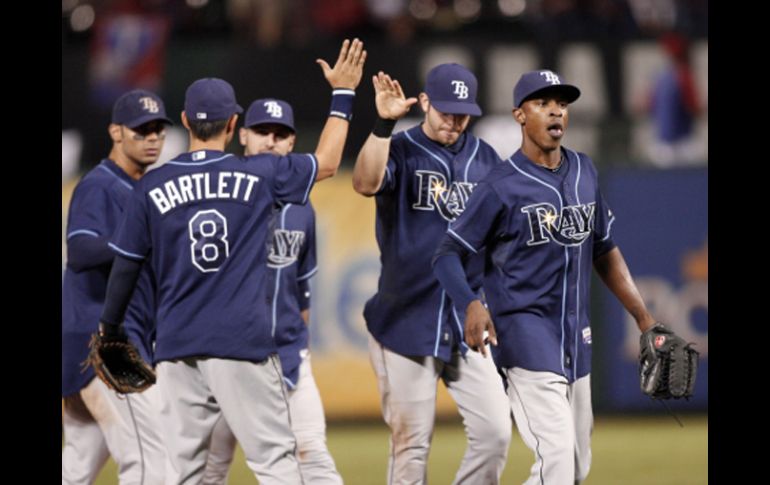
<point x="203" y="130"/>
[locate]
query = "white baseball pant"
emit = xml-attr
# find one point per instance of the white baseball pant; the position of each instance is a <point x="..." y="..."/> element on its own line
<point x="407" y="388"/>
<point x="98" y="423"/>
<point x="555" y="421"/>
<point x="308" y="424"/>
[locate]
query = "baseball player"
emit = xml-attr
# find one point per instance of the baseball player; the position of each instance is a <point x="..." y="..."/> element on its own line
<point x="97" y="422"/>
<point x="269" y="128"/>
<point x="543" y="224"/>
<point x="201" y="221"/>
<point x="421" y="179"/>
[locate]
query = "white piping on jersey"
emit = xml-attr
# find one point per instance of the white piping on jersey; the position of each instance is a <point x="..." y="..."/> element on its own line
<point x="125" y="253"/>
<point x="312" y="177"/>
<point x="577" y="285"/>
<point x="307" y="275"/>
<point x="609" y="226"/>
<point x="475" y="149"/>
<point x="291" y="385"/>
<point x="348" y="92"/>
<point x="130" y="187"/>
<point x="204" y="162"/>
<point x="438" y="324"/>
<point x="577" y="313"/>
<point x="284" y="209"/>
<point x="460" y="327"/>
<point x="446" y="167"/>
<point x="564" y="306"/>
<point x="460" y="240"/>
<point x="561" y="203"/>
<point x="566" y="260"/>
<point x="82" y="231"/>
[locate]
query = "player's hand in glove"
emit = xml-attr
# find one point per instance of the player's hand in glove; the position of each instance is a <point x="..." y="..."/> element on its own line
<point x="117" y="362"/>
<point x="667" y="364"/>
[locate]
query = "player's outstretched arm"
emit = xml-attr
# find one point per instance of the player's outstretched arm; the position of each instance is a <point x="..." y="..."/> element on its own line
<point x="344" y="78"/>
<point x="612" y="269"/>
<point x="373" y="157"/>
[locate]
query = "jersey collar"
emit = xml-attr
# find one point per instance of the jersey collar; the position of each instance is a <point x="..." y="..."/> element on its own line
<point x="524" y="163"/>
<point x="201" y="156"/>
<point x="115" y="169"/>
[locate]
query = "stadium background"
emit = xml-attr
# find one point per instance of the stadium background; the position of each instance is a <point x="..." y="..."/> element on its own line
<point x="609" y="48"/>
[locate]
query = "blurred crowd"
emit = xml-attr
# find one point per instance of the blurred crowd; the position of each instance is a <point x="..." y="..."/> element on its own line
<point x="642" y="64"/>
<point x="300" y="22"/>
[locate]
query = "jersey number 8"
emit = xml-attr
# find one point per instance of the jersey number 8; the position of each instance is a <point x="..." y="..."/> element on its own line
<point x="209" y="247"/>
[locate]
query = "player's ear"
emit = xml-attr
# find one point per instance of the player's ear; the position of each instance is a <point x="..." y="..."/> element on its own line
<point x="230" y="128"/>
<point x="185" y="123"/>
<point x="519" y="116"/>
<point x="231" y="124"/>
<point x="242" y="136"/>
<point x="424" y="102"/>
<point x="115" y="133"/>
<point x="292" y="139"/>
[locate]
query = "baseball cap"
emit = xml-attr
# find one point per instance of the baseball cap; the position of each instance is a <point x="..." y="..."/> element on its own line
<point x="534" y="81"/>
<point x="210" y="99"/>
<point x="137" y="107"/>
<point x="452" y="89"/>
<point x="269" y="110"/>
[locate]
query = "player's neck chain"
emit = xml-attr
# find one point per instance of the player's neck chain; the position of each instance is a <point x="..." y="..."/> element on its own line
<point x="557" y="167"/>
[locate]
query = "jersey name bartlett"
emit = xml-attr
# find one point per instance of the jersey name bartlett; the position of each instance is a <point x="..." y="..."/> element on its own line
<point x="570" y="228"/>
<point x="203" y="186"/>
<point x="433" y="193"/>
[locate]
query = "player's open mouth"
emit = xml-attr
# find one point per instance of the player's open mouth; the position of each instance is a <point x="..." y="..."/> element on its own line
<point x="556" y="130"/>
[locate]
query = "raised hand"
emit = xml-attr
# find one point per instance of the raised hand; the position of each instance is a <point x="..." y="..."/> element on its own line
<point x="349" y="68"/>
<point x="389" y="97"/>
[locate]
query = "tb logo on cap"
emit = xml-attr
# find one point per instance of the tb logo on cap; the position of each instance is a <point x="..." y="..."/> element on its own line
<point x="149" y="104"/>
<point x="550" y="77"/>
<point x="274" y="109"/>
<point x="461" y="90"/>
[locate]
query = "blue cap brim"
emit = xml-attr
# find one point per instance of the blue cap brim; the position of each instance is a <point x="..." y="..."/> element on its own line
<point x="146" y="119"/>
<point x="570" y="92"/>
<point x="457" y="108"/>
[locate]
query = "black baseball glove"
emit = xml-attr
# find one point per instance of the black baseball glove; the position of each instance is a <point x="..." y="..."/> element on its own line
<point x="117" y="362"/>
<point x="667" y="364"/>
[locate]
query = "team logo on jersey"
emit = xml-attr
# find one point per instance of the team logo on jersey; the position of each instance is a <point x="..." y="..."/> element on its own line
<point x="435" y="194"/>
<point x="570" y="228"/>
<point x="149" y="104"/>
<point x="274" y="109"/>
<point x="285" y="248"/>
<point x="461" y="89"/>
<point x="550" y="77"/>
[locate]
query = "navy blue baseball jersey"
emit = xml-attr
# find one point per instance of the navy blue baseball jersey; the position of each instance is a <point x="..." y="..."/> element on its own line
<point x="426" y="186"/>
<point x="541" y="231"/>
<point x="202" y="221"/>
<point x="292" y="262"/>
<point x="95" y="211"/>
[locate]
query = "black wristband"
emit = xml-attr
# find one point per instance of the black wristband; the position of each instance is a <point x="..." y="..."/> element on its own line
<point x="383" y="128"/>
<point x="112" y="331"/>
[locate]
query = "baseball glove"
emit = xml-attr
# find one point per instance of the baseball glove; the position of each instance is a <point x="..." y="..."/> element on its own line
<point x="667" y="364"/>
<point x="117" y="362"/>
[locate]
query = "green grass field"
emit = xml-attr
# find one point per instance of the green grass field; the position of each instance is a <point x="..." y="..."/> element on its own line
<point x="627" y="451"/>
